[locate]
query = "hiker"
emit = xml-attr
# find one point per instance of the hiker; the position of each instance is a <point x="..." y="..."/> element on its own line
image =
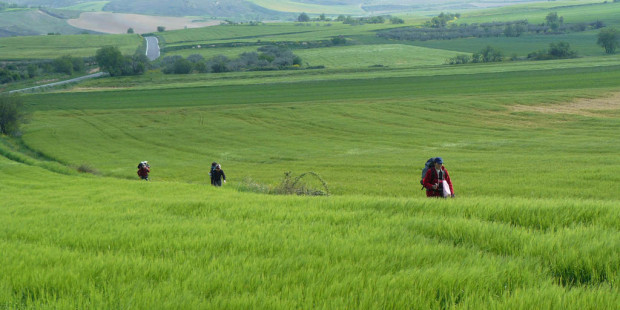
<point x="143" y="170"/>
<point x="217" y="175"/>
<point x="433" y="180"/>
<point x="213" y="165"/>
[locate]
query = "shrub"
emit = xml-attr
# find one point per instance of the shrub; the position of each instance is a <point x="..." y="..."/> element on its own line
<point x="86" y="168"/>
<point x="299" y="186"/>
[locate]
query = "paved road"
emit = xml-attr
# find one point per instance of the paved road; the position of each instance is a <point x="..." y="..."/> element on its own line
<point x="90" y="76"/>
<point x="152" y="48"/>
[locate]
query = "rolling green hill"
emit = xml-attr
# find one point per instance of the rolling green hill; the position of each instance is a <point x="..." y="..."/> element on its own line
<point x="29" y="22"/>
<point x="510" y="239"/>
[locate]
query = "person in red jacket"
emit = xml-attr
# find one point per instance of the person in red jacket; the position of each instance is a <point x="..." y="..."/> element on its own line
<point x="433" y="180"/>
<point x="143" y="170"/>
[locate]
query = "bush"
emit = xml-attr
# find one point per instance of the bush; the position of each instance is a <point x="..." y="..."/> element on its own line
<point x="339" y="40"/>
<point x="459" y="59"/>
<point x="8" y="76"/>
<point x="301" y="186"/>
<point x="86" y="168"/>
<point x="559" y="50"/>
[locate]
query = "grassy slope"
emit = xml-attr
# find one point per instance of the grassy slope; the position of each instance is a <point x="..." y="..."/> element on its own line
<point x="310" y="8"/>
<point x="327" y="125"/>
<point x="34" y="22"/>
<point x="347" y="57"/>
<point x="583" y="42"/>
<point x="91" y="6"/>
<point x="535" y="225"/>
<point x="84" y="242"/>
<point x="270" y="32"/>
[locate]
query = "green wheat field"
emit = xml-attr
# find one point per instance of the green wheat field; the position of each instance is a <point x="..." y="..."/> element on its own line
<point x="531" y="146"/>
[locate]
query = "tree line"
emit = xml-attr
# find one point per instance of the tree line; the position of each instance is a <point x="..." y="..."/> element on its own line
<point x="111" y="60"/>
<point x="265" y="58"/>
<point x="4" y="6"/>
<point x="440" y="29"/>
<point x="560" y="50"/>
<point x="304" y="18"/>
<point x="67" y="64"/>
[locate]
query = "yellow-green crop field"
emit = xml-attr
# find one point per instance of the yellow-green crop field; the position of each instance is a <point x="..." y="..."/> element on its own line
<point x="531" y="147"/>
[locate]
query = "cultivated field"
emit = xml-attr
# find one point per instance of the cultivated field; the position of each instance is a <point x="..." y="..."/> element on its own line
<point x="47" y="47"/>
<point x="531" y="147"/>
<point x="118" y="23"/>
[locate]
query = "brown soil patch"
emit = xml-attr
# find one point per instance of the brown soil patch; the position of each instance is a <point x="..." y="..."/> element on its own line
<point x="585" y="107"/>
<point x="118" y="23"/>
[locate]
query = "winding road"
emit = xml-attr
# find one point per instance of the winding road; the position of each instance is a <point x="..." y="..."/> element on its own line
<point x="152" y="48"/>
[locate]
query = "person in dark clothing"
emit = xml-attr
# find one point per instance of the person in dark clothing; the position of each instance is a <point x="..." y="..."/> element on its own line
<point x="433" y="180"/>
<point x="143" y="170"/>
<point x="213" y="165"/>
<point x="218" y="175"/>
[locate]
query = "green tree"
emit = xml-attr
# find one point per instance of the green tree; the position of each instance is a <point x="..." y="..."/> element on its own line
<point x="490" y="54"/>
<point x="554" y="21"/>
<point x="303" y="17"/>
<point x="110" y="60"/>
<point x="161" y="28"/>
<point x="130" y="30"/>
<point x="396" y="20"/>
<point x="33" y="70"/>
<point x="136" y="64"/>
<point x="609" y="39"/>
<point x="78" y="64"/>
<point x="182" y="66"/>
<point x="63" y="64"/>
<point x="12" y="114"/>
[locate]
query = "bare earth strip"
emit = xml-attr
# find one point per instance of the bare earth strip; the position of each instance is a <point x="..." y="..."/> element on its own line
<point x="118" y="23"/>
<point x="585" y="107"/>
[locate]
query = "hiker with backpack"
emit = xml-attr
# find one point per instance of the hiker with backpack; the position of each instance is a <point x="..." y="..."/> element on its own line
<point x="217" y="175"/>
<point x="213" y="165"/>
<point x="143" y="170"/>
<point x="436" y="180"/>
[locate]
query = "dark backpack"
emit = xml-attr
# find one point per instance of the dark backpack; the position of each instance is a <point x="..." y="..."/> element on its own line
<point x="429" y="164"/>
